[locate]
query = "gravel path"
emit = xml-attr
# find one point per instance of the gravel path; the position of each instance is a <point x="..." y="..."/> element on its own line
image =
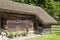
<point x="20" y="38"/>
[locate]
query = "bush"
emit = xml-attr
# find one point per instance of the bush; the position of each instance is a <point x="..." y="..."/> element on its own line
<point x="18" y="33"/>
<point x="12" y="34"/>
<point x="23" y="33"/>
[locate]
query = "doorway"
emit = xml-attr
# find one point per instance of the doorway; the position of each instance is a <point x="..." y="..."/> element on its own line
<point x="1" y="22"/>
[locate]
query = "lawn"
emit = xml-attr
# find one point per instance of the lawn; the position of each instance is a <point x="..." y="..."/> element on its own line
<point x="53" y="36"/>
<point x="47" y="37"/>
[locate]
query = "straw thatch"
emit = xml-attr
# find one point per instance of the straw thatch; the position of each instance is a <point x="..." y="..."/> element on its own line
<point x="14" y="7"/>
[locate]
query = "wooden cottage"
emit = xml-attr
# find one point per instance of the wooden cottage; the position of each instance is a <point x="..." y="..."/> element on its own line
<point x="18" y="16"/>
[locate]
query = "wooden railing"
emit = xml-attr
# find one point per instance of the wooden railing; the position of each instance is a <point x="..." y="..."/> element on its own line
<point x="55" y="29"/>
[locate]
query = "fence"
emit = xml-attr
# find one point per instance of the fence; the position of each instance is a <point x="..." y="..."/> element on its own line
<point x="55" y="29"/>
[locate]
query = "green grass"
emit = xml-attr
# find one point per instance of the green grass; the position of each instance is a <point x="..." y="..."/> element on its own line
<point x="53" y="36"/>
<point x="47" y="37"/>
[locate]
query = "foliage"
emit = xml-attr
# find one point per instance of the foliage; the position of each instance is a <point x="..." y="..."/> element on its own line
<point x="12" y="34"/>
<point x="22" y="33"/>
<point x="51" y="6"/>
<point x="17" y="33"/>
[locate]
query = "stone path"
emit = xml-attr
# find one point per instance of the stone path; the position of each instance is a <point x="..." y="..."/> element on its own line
<point x="20" y="38"/>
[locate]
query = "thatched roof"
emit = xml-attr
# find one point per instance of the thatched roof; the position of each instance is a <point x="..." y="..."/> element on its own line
<point x="9" y="6"/>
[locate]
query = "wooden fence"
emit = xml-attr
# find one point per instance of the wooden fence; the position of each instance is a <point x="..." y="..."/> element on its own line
<point x="55" y="29"/>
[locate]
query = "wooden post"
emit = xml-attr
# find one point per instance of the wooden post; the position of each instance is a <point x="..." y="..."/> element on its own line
<point x="35" y="24"/>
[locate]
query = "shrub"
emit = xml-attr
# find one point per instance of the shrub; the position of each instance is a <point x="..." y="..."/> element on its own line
<point x="23" y="33"/>
<point x="18" y="33"/>
<point x="12" y="34"/>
